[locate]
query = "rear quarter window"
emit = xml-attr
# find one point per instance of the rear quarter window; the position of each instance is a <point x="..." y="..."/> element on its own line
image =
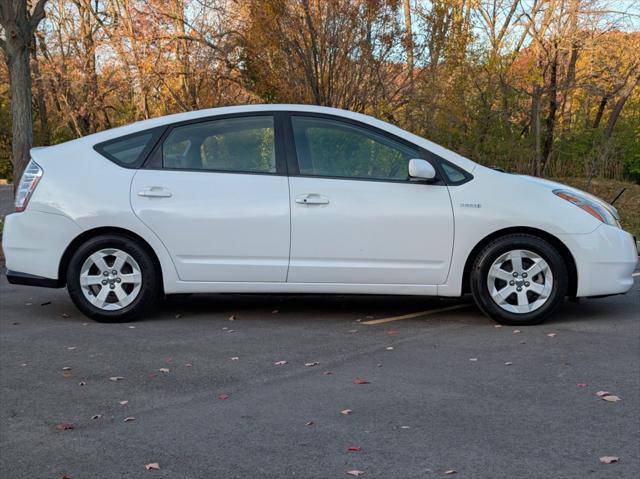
<point x="129" y="151"/>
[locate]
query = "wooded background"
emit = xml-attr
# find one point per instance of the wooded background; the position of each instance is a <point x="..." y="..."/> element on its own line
<point x="546" y="87"/>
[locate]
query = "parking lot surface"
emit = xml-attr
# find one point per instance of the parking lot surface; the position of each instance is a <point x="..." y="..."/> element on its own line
<point x="249" y="386"/>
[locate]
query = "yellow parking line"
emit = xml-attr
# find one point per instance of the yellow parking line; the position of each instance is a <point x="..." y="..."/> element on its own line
<point x="416" y="315"/>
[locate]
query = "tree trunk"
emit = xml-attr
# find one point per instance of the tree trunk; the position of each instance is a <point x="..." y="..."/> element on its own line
<point x="21" y="119"/>
<point x="19" y="24"/>
<point x="553" y="108"/>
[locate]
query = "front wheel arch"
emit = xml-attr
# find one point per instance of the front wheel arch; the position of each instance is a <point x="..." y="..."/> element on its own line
<point x="553" y="240"/>
<point x="92" y="233"/>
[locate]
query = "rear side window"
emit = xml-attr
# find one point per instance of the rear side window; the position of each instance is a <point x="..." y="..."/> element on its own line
<point x="244" y="144"/>
<point x="131" y="150"/>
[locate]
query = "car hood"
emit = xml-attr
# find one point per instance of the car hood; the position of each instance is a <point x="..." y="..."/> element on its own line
<point x="554" y="185"/>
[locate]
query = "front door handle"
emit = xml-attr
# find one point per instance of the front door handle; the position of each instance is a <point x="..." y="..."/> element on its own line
<point x="155" y="192"/>
<point x="312" y="199"/>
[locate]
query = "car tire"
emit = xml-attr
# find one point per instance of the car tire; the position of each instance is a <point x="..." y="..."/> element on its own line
<point x="519" y="279"/>
<point x="112" y="279"/>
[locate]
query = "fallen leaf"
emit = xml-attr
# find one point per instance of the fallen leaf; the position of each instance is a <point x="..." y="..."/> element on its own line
<point x="551" y="335"/>
<point x="360" y="381"/>
<point x="178" y="316"/>
<point x="354" y="449"/>
<point x="63" y="426"/>
<point x="116" y="378"/>
<point x="405" y="427"/>
<point x="355" y="472"/>
<point x="309" y="423"/>
<point x="516" y="331"/>
<point x="392" y="332"/>
<point x="71" y="348"/>
<point x="152" y="375"/>
<point x="65" y="315"/>
<point x="450" y="471"/>
<point x="122" y="403"/>
<point x="222" y="397"/>
<point x="327" y="373"/>
<point x="582" y="385"/>
<point x="609" y="459"/>
<point x="508" y="363"/>
<point x="473" y="359"/>
<point x="168" y="360"/>
<point x="152" y="466"/>
<point x="611" y="398"/>
<point x="130" y="327"/>
<point x="164" y="370"/>
<point x="280" y="363"/>
<point x="497" y="326"/>
<point x="82" y="383"/>
<point x="65" y="477"/>
<point x="188" y="365"/>
<point x="234" y="358"/>
<point x="275" y="311"/>
<point x="231" y="331"/>
<point x="96" y="416"/>
<point x="353" y="331"/>
<point x="232" y="318"/>
<point x="311" y="364"/>
<point x="66" y="368"/>
<point x="130" y="418"/>
<point x="346" y="412"/>
<point x="389" y="348"/>
<point x="607" y="396"/>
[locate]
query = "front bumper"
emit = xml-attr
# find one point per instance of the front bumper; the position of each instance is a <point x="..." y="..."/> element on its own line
<point x="605" y="260"/>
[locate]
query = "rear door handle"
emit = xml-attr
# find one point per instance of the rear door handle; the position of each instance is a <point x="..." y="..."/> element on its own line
<point x="312" y="199"/>
<point x="155" y="192"/>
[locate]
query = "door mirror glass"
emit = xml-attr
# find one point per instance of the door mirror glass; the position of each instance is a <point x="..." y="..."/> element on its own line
<point x="421" y="169"/>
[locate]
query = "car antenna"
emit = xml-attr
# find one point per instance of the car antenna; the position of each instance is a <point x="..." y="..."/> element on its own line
<point x="619" y="195"/>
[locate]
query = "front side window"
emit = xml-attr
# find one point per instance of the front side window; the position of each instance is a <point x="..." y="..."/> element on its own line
<point x="233" y="144"/>
<point x="333" y="148"/>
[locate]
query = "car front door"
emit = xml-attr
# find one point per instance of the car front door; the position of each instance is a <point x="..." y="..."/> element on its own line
<point x="217" y="196"/>
<point x="356" y="217"/>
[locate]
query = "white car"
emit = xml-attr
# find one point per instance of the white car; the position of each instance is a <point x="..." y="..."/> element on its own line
<point x="301" y="199"/>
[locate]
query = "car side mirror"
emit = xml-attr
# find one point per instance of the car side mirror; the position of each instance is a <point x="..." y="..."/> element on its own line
<point x="421" y="169"/>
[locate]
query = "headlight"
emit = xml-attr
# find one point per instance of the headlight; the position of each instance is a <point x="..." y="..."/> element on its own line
<point x="597" y="209"/>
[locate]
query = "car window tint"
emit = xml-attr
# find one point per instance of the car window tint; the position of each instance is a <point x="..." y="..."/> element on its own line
<point x="333" y="148"/>
<point x="127" y="151"/>
<point x="453" y="174"/>
<point x="233" y="144"/>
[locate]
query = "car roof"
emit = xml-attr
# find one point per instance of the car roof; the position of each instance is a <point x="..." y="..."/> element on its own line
<point x="112" y="133"/>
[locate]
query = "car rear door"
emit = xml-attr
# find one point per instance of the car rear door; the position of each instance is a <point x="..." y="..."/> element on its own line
<point x="215" y="191"/>
<point x="356" y="217"/>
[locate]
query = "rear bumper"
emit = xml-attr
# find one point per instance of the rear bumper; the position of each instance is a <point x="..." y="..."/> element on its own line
<point x="34" y="242"/>
<point x="26" y="279"/>
<point x="605" y="261"/>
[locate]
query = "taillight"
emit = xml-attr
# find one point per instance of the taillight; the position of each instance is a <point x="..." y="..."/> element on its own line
<point x="28" y="183"/>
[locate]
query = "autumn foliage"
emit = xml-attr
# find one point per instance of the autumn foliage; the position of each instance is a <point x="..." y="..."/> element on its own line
<point x="547" y="87"/>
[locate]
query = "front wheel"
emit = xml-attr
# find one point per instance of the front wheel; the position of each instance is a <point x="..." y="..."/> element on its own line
<point x="519" y="279"/>
<point x="112" y="279"/>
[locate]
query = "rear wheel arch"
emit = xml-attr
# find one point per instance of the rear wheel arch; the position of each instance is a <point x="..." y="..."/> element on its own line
<point x="92" y="233"/>
<point x="553" y="240"/>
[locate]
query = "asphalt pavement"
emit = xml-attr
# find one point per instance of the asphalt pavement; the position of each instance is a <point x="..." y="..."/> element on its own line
<point x="204" y="381"/>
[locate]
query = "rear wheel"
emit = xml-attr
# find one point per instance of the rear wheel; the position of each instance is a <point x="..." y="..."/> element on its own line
<point x="519" y="279"/>
<point x="112" y="279"/>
